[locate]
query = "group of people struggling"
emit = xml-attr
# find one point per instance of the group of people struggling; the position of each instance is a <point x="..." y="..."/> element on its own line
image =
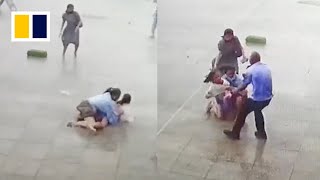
<point x="102" y="110"/>
<point x="227" y="95"/>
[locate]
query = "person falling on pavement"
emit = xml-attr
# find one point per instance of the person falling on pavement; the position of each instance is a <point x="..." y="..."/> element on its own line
<point x="99" y="111"/>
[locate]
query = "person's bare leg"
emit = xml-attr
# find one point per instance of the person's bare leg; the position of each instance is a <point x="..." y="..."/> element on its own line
<point x="81" y="124"/>
<point x="76" y="50"/>
<point x="65" y="47"/>
<point x="90" y="123"/>
<point x="102" y="124"/>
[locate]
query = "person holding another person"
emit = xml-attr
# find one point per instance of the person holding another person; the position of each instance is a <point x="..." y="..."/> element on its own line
<point x="99" y="111"/>
<point x="259" y="75"/>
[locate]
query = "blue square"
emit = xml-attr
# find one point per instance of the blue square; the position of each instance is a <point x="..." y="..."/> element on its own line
<point x="39" y="26"/>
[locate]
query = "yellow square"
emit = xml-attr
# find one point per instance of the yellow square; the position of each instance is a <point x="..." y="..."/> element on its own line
<point x="21" y="24"/>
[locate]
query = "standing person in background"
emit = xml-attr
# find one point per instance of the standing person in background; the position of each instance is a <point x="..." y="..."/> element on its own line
<point x="155" y="20"/>
<point x="229" y="50"/>
<point x="259" y="75"/>
<point x="71" y="33"/>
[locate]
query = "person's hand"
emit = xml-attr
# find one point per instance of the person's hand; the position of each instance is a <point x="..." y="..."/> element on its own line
<point x="234" y="91"/>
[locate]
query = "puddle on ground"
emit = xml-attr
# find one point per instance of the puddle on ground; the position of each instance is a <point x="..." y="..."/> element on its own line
<point x="310" y="2"/>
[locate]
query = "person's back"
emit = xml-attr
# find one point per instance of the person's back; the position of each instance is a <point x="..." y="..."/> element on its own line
<point x="105" y="106"/>
<point x="260" y="76"/>
<point x="101" y="100"/>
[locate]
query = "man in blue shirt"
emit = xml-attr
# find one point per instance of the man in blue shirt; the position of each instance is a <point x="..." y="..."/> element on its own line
<point x="99" y="111"/>
<point x="259" y="75"/>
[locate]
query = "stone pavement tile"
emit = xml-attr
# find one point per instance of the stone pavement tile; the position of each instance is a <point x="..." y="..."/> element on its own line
<point x="6" y="146"/>
<point x="72" y="136"/>
<point x="50" y="168"/>
<point x="191" y="165"/>
<point x="65" y="153"/>
<point x="38" y="135"/>
<point x="23" y="150"/>
<point x="19" y="166"/>
<point x="310" y="144"/>
<point x="229" y="170"/>
<point x="166" y="175"/>
<point x="165" y="159"/>
<point x="3" y="159"/>
<point x="304" y="175"/>
<point x="285" y="141"/>
<point x="98" y="172"/>
<point x="55" y="177"/>
<point x="274" y="172"/>
<point x="14" y="122"/>
<point x="288" y="126"/>
<point x="106" y="176"/>
<point x="10" y="133"/>
<point x="100" y="157"/>
<point x="136" y="174"/>
<point x="308" y="162"/>
<point x="171" y="141"/>
<point x="43" y="122"/>
<point x="130" y="162"/>
<point x="313" y="129"/>
<point x="15" y="177"/>
<point x="233" y="151"/>
<point x="169" y="147"/>
<point x="275" y="157"/>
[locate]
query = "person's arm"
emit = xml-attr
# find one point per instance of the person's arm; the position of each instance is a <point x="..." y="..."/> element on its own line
<point x="246" y="81"/>
<point x="221" y="46"/>
<point x="79" y="22"/>
<point x="209" y="92"/>
<point x="238" y="48"/>
<point x="62" y="25"/>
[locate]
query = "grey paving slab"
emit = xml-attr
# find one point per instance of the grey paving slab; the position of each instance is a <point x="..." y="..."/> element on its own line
<point x="234" y="171"/>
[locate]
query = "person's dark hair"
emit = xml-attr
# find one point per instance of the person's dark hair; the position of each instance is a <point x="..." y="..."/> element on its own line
<point x="114" y="92"/>
<point x="228" y="31"/>
<point x="230" y="68"/>
<point x="255" y="56"/>
<point x="126" y="99"/>
<point x="108" y="90"/>
<point x="69" y="6"/>
<point x="211" y="74"/>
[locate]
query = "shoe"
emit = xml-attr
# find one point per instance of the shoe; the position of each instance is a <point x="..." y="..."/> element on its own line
<point x="231" y="135"/>
<point x="261" y="135"/>
<point x="70" y="124"/>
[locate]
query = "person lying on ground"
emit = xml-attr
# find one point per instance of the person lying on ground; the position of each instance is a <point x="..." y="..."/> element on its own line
<point x="100" y="107"/>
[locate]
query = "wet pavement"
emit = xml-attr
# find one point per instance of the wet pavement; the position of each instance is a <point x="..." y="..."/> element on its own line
<point x="165" y="78"/>
<point x="39" y="96"/>
<point x="191" y="147"/>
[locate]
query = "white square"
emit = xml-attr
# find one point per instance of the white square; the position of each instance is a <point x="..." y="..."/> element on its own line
<point x="30" y="13"/>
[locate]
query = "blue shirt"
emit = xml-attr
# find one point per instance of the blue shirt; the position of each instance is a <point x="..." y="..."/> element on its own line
<point x="105" y="107"/>
<point x="259" y="75"/>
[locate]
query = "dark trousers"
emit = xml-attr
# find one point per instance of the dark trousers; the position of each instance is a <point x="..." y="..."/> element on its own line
<point x="250" y="105"/>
